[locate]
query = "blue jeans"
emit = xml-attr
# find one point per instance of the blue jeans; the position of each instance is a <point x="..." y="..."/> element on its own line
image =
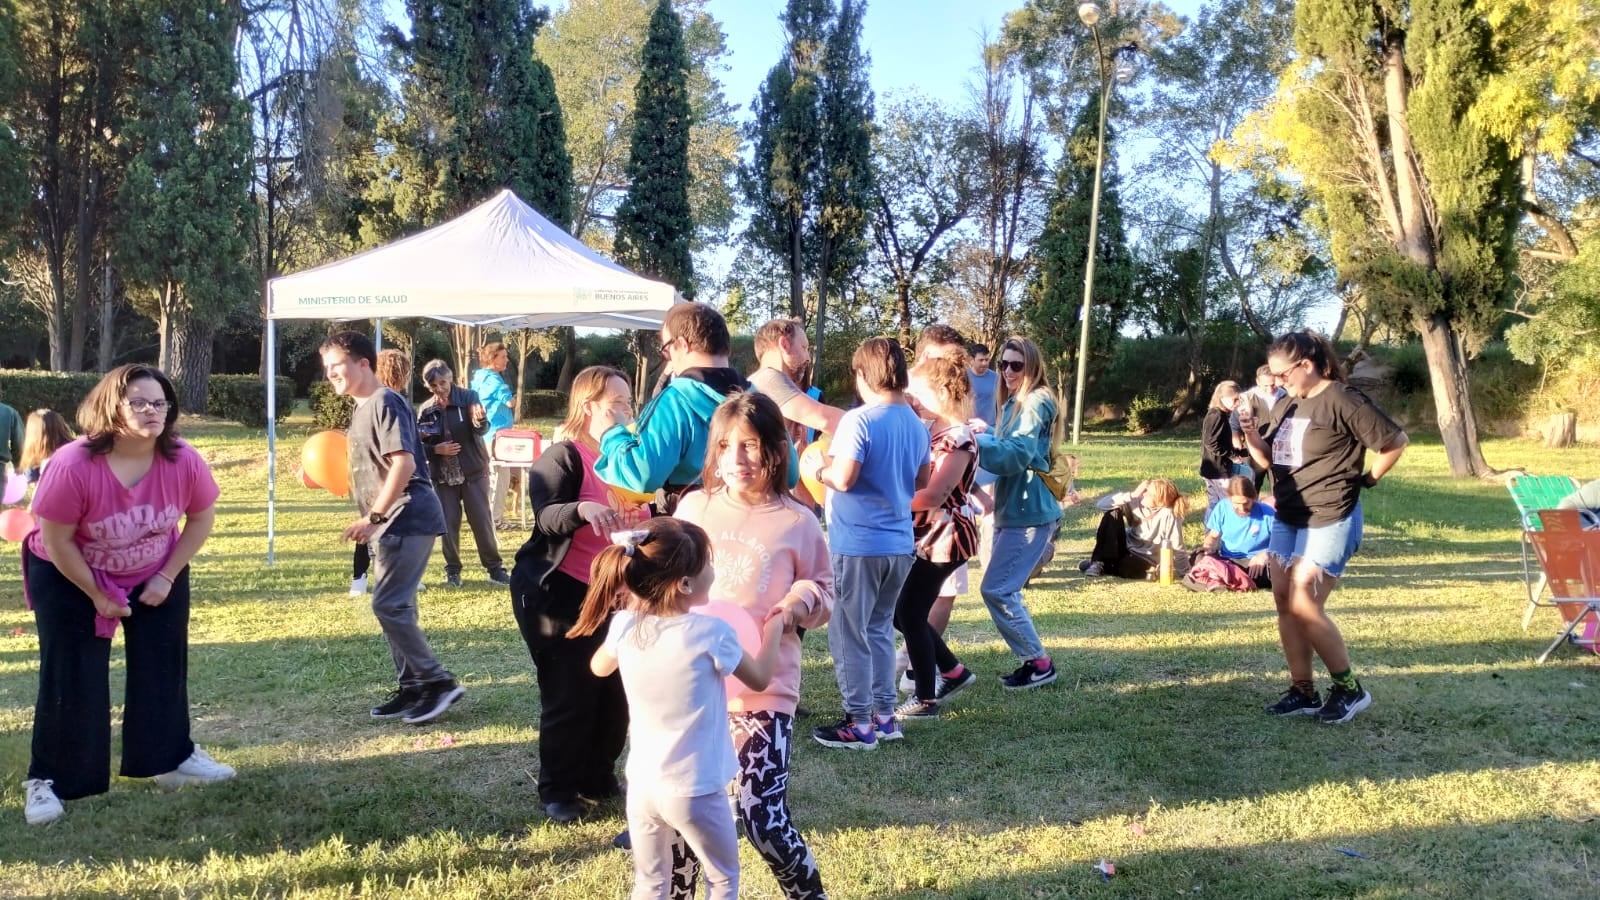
<point x="1016" y="552"/>
<point x="1328" y="547"/>
<point x="861" y="632"/>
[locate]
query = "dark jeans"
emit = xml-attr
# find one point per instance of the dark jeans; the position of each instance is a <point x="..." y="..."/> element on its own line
<point x="583" y="720"/>
<point x="72" y="719"/>
<point x="472" y="496"/>
<point x="1111" y="547"/>
<point x="928" y="652"/>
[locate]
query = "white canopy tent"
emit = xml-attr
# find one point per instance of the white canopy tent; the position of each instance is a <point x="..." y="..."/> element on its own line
<point x="500" y="264"/>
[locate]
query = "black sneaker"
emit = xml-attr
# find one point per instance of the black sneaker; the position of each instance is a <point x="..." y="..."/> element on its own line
<point x="398" y="704"/>
<point x="433" y="700"/>
<point x="1343" y="704"/>
<point x="1294" y="703"/>
<point x="452" y="579"/>
<point x="499" y="576"/>
<point x="951" y="685"/>
<point x="1028" y="676"/>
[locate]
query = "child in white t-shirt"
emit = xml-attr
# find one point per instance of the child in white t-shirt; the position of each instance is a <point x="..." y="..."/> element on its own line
<point x="673" y="665"/>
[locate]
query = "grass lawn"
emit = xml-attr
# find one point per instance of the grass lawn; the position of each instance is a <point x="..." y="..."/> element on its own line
<point x="1473" y="774"/>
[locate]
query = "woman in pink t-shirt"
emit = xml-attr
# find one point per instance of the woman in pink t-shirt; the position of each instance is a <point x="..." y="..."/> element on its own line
<point x="772" y="560"/>
<point x="109" y="550"/>
<point x="583" y="719"/>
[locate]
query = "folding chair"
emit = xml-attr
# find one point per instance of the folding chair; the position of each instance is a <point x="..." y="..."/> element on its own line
<point x="1532" y="493"/>
<point x="1569" y="557"/>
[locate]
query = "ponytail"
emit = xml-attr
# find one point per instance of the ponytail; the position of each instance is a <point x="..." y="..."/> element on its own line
<point x="644" y="567"/>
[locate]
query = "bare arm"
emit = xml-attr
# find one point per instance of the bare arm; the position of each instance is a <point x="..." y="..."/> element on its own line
<point x="1384" y="459"/>
<point x="840" y="474"/>
<point x="943" y="479"/>
<point x="812" y="413"/>
<point x="602" y="664"/>
<point x="756" y="671"/>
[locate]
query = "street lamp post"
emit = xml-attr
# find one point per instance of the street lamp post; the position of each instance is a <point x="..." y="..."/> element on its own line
<point x="1089" y="14"/>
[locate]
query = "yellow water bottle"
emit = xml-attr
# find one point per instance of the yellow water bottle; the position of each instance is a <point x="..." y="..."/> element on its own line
<point x="1166" y="565"/>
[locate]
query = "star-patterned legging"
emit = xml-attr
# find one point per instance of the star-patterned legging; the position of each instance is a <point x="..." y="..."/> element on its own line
<point x="762" y="741"/>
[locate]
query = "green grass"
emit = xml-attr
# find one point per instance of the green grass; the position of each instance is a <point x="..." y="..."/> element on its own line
<point x="1473" y="775"/>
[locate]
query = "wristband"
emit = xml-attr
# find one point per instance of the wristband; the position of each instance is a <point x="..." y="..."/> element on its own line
<point x="1369" y="480"/>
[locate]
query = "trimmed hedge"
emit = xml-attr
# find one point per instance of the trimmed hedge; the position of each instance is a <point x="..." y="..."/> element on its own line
<point x="543" y="405"/>
<point x="329" y="410"/>
<point x="243" y="398"/>
<point x="26" y="390"/>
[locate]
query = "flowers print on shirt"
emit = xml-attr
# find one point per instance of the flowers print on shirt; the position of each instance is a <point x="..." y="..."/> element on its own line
<point x="1288" y="444"/>
<point x="131" y="540"/>
<point x="739" y="559"/>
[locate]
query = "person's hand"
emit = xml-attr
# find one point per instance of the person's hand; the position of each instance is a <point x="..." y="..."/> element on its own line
<point x="977" y="426"/>
<point x="789" y="613"/>
<point x="155" y="590"/>
<point x="478" y="415"/>
<point x="773" y="628"/>
<point x="604" y="520"/>
<point x="447" y="448"/>
<point x="110" y="608"/>
<point x="1257" y="564"/>
<point x="359" y="531"/>
<point x="811" y="466"/>
<point x="1247" y="420"/>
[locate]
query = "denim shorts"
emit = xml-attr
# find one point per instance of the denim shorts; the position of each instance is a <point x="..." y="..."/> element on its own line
<point x="1329" y="547"/>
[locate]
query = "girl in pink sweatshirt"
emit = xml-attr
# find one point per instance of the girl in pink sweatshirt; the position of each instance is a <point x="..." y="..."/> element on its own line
<point x="772" y="560"/>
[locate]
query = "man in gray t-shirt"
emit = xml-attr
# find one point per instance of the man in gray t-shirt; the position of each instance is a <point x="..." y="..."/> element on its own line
<point x="400" y="519"/>
<point x="781" y="349"/>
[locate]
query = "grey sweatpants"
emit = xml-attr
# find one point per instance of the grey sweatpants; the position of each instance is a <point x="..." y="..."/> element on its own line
<point x="473" y="496"/>
<point x="706" y="825"/>
<point x="398" y="564"/>
<point x="861" y="632"/>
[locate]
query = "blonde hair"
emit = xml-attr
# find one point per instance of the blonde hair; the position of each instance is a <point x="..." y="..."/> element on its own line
<point x="1034" y="378"/>
<point x="588" y="386"/>
<point x="394" y="370"/>
<point x="47" y="431"/>
<point x="949" y="380"/>
<point x="1222" y="392"/>
<point x="1167" y="496"/>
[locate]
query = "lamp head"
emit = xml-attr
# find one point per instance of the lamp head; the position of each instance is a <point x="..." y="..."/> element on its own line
<point x="1089" y="13"/>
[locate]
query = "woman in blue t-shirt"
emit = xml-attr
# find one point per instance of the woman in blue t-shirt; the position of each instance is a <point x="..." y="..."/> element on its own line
<point x="1240" y="530"/>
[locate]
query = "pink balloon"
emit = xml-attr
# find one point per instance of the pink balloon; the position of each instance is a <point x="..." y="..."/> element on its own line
<point x="16" y="488"/>
<point x="745" y="626"/>
<point x="15" y="524"/>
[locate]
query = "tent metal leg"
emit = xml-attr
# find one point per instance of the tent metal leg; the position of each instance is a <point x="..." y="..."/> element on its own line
<point x="272" y="433"/>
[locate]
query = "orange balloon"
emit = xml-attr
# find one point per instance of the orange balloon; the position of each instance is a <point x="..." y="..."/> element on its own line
<point x="15" y="523"/>
<point x="300" y="474"/>
<point x="814" y="454"/>
<point x="628" y="496"/>
<point x="326" y="460"/>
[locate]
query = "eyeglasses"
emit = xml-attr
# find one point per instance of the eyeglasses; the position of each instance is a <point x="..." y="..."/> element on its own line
<point x="666" y="346"/>
<point x="1285" y="373"/>
<point x="141" y="405"/>
<point x="1011" y="365"/>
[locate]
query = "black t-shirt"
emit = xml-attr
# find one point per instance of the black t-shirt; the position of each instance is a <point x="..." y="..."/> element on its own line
<point x="1318" y="451"/>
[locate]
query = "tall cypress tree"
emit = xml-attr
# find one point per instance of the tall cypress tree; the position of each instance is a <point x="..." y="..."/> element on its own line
<point x="1054" y="301"/>
<point x="182" y="243"/>
<point x="845" y="183"/>
<point x="654" y="223"/>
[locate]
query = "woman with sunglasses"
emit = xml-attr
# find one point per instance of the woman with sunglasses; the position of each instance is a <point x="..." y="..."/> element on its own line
<point x="1026" y="514"/>
<point x="451" y="424"/>
<point x="109" y="551"/>
<point x="1316" y="445"/>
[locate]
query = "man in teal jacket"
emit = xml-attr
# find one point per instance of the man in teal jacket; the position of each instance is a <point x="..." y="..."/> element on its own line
<point x="667" y="449"/>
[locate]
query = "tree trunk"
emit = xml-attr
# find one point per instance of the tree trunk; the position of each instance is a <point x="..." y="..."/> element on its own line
<point x="1562" y="430"/>
<point x="172" y="313"/>
<point x="88" y="188"/>
<point x="461" y="345"/>
<point x="107" y="316"/>
<point x="797" y="296"/>
<point x="192" y="346"/>
<point x="1452" y="398"/>
<point x="569" y="359"/>
<point x="902" y="293"/>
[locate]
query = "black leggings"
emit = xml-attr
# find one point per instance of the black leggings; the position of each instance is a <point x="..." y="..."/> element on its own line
<point x="361" y="562"/>
<point x="72" y="719"/>
<point x="1111" y="547"/>
<point x="928" y="652"/>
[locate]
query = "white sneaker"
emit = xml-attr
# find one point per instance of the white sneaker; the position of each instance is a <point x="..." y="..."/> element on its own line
<point x="199" y="768"/>
<point x="43" y="804"/>
<point x="358" y="586"/>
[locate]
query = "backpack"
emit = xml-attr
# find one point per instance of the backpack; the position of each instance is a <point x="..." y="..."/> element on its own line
<point x="1213" y="573"/>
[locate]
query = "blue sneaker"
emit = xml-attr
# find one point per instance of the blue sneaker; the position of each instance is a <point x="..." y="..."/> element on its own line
<point x="844" y="735"/>
<point x="887" y="728"/>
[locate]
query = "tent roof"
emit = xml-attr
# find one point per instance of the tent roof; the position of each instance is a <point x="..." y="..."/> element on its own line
<point x="500" y="263"/>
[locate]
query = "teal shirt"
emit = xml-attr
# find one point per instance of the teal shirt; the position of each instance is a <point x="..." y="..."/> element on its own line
<point x="1019" y="445"/>
<point x="10" y="435"/>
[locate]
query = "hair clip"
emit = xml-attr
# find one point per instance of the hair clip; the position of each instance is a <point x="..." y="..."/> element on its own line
<point x="628" y="540"/>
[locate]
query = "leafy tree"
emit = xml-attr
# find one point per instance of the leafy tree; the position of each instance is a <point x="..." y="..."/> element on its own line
<point x="845" y="171"/>
<point x="13" y="159"/>
<point x="185" y="200"/>
<point x="926" y="160"/>
<point x="654" y="223"/>
<point x="1054" y="303"/>
<point x="780" y="182"/>
<point x="593" y="50"/>
<point x="1421" y="201"/>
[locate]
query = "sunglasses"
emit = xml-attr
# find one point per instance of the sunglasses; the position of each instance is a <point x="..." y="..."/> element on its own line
<point x="1010" y="365"/>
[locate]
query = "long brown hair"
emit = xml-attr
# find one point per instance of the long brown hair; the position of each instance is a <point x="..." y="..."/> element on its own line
<point x="1168" y="496"/>
<point x="1223" y="391"/>
<point x="47" y="432"/>
<point x="587" y="387"/>
<point x="760" y="414"/>
<point x="948" y="378"/>
<point x="1034" y="378"/>
<point x="100" y="414"/>
<point x="646" y="572"/>
<point x="394" y="371"/>
<point x="1307" y="344"/>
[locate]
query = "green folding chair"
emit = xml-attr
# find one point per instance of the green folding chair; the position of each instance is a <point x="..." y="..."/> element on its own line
<point x="1532" y="493"/>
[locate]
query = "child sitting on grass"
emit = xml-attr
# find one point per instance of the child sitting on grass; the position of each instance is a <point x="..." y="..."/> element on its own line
<point x="1136" y="525"/>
